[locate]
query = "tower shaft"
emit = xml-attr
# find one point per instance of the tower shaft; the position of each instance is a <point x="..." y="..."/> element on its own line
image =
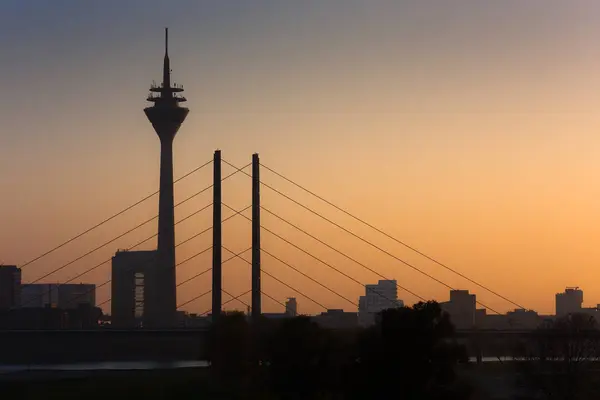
<point x="166" y="203"/>
<point x="165" y="286"/>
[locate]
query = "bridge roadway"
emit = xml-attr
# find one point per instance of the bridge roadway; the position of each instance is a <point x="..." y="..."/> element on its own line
<point x="105" y="344"/>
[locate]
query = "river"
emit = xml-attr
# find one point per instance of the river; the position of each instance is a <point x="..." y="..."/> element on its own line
<point x="132" y="365"/>
<point x="104" y="366"/>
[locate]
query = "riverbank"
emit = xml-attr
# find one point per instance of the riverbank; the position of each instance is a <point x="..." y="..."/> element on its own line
<point x="104" y="384"/>
<point x="191" y="382"/>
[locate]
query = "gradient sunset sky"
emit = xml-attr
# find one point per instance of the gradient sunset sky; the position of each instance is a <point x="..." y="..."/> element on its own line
<point x="469" y="129"/>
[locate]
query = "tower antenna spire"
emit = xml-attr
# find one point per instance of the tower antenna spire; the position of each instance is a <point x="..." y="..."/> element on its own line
<point x="166" y="41"/>
<point x="167" y="68"/>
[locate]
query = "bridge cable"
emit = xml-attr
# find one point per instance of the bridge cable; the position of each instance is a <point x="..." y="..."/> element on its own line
<point x="303" y="274"/>
<point x="110" y="280"/>
<point x="238" y="299"/>
<point x="195" y="298"/>
<point x="312" y="279"/>
<point x="274" y="299"/>
<point x="339" y="252"/>
<point x="295" y="290"/>
<point x="228" y="301"/>
<point x="362" y="239"/>
<point x="108" y="260"/>
<point x="329" y="265"/>
<point x="242" y="295"/>
<point x="389" y="236"/>
<point x="377" y="273"/>
<point x="280" y="281"/>
<point x="110" y="218"/>
<point x="154" y="258"/>
<point x="137" y="227"/>
<point x="110" y="241"/>
<point x="210" y="268"/>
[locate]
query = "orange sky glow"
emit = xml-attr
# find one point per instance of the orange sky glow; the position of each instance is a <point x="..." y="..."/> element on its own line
<point x="472" y="136"/>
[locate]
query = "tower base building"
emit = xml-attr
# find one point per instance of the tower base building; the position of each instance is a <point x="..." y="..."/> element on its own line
<point x="132" y="306"/>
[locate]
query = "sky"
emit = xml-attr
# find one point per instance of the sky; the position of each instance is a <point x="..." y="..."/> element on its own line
<point x="467" y="129"/>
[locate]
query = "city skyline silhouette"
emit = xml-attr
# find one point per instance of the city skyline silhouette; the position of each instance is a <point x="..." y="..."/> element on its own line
<point x="503" y="193"/>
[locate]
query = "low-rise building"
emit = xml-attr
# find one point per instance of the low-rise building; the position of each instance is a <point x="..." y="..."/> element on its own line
<point x="337" y="319"/>
<point x="10" y="286"/>
<point x="54" y="295"/>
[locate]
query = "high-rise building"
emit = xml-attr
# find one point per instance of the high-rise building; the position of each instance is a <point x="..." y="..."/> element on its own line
<point x="379" y="297"/>
<point x="10" y="286"/>
<point x="569" y="302"/>
<point x="291" y="307"/>
<point x="131" y="270"/>
<point x="66" y="296"/>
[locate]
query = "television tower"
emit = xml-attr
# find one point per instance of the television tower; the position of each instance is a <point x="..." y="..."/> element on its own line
<point x="166" y="116"/>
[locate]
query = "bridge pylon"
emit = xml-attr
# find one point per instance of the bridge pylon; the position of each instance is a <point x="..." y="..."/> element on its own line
<point x="217" y="247"/>
<point x="217" y="238"/>
<point x="256" y="290"/>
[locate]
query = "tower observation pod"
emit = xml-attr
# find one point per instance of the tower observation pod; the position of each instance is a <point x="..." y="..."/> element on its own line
<point x="166" y="116"/>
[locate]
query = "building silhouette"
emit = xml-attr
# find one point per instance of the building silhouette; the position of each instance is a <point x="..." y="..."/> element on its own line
<point x="155" y="278"/>
<point x="10" y="286"/>
<point x="291" y="307"/>
<point x="523" y="319"/>
<point x="569" y="302"/>
<point x="53" y="295"/>
<point x="275" y="316"/>
<point x="337" y="319"/>
<point x="130" y="270"/>
<point x="378" y="297"/>
<point x="461" y="308"/>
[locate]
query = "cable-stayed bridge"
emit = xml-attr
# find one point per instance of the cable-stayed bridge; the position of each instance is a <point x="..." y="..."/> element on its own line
<point x="231" y="255"/>
<point x="109" y="340"/>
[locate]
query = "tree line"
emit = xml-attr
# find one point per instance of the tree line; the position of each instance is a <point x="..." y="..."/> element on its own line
<point x="560" y="360"/>
<point x="410" y="353"/>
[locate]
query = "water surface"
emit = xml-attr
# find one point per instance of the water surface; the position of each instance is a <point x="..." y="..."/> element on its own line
<point x="104" y="366"/>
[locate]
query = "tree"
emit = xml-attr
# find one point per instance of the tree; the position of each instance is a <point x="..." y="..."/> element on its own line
<point x="299" y="358"/>
<point x="229" y="347"/>
<point x="411" y="352"/>
<point x="558" y="359"/>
